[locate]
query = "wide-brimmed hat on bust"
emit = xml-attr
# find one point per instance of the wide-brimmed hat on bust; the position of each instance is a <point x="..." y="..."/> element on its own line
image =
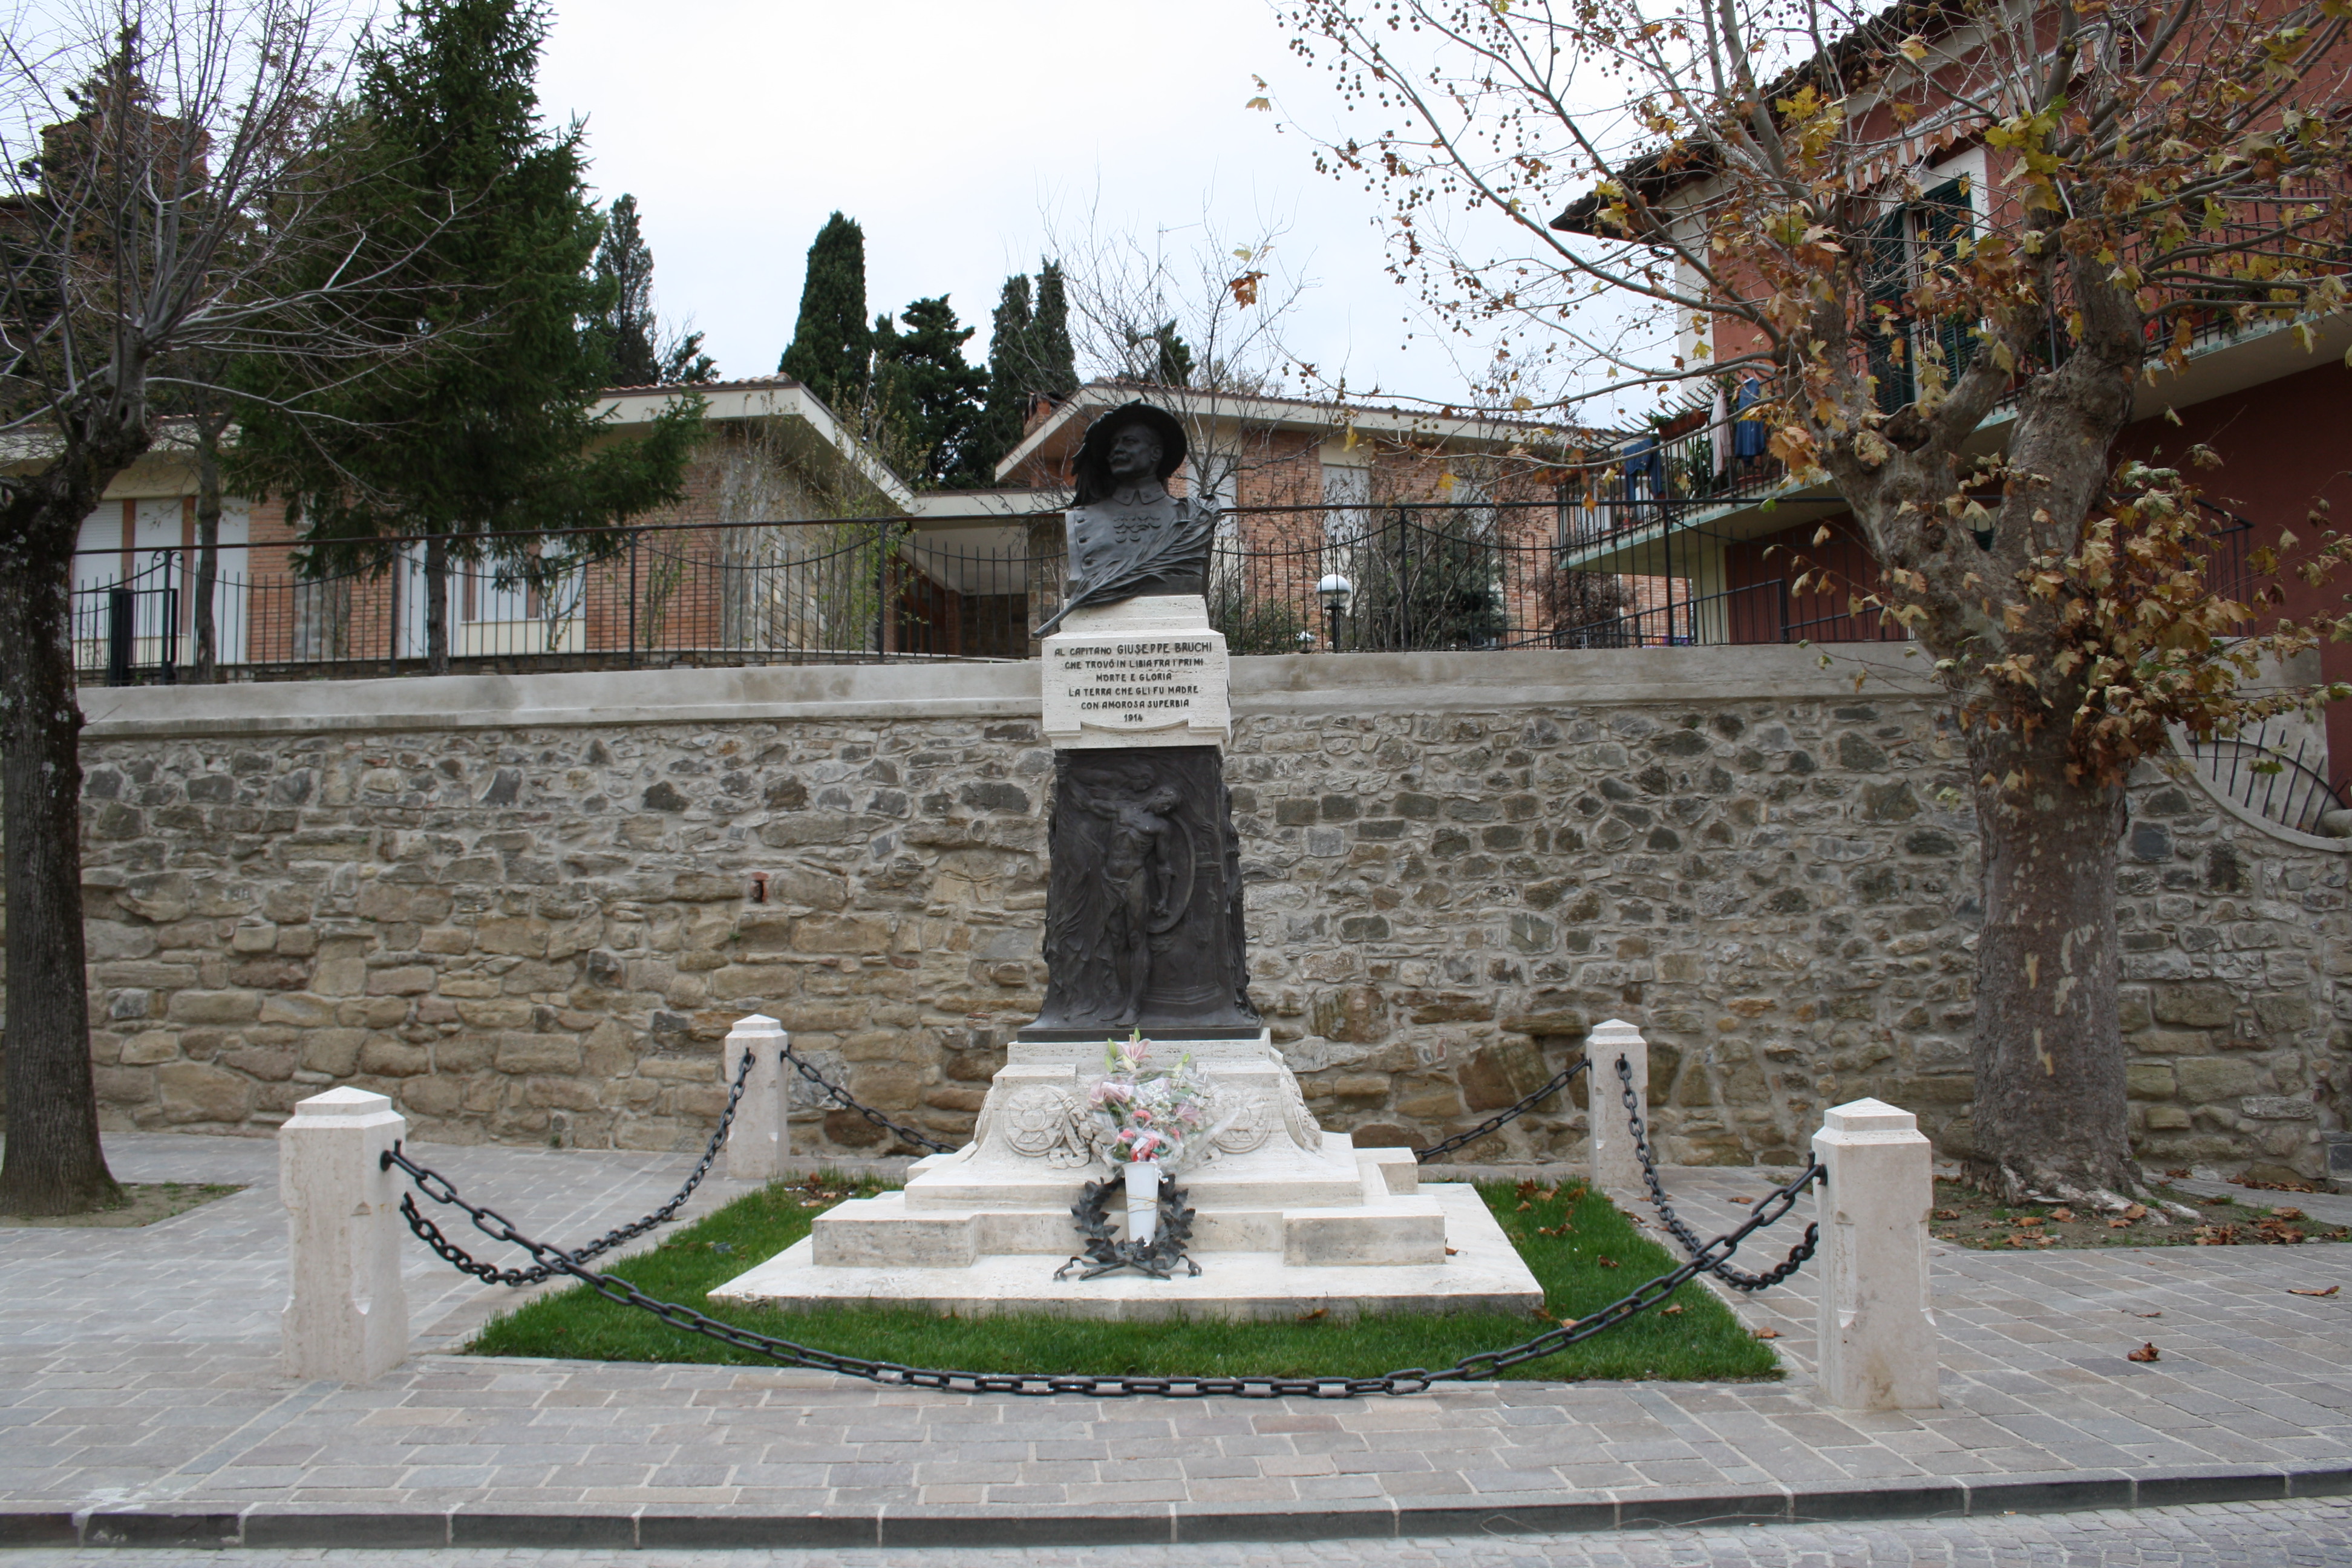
<point x="1091" y="468"/>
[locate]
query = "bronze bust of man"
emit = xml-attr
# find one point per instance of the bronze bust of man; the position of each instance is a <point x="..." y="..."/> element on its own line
<point x="1128" y="536"/>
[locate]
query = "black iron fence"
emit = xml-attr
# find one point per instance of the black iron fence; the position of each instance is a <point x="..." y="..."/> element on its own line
<point x="1354" y="578"/>
<point x="2274" y="771"/>
<point x="836" y="592"/>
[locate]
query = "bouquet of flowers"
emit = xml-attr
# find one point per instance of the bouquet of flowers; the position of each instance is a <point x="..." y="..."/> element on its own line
<point x="1154" y="1117"/>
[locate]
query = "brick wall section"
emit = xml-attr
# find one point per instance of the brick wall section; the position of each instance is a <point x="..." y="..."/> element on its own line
<point x="537" y="935"/>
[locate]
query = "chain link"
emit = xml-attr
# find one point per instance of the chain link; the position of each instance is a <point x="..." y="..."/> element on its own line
<point x="436" y="1187"/>
<point x="1411" y="1380"/>
<point x="919" y="1139"/>
<point x="1738" y="1279"/>
<point x="1500" y="1118"/>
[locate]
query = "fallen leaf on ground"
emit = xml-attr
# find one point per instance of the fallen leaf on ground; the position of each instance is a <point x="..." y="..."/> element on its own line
<point x="1606" y="1262"/>
<point x="1569" y="1322"/>
<point x="2178" y="1173"/>
<point x="1947" y="1214"/>
<point x="2138" y="1211"/>
<point x="2286" y="1213"/>
<point x="2147" y="1314"/>
<point x="2118" y="1225"/>
<point x="2062" y="1216"/>
<point x="2028" y="1221"/>
<point x="1739" y="1200"/>
<point x="1449" y="1252"/>
<point x="1318" y="1312"/>
<point x="1768" y="1333"/>
<point x="2331" y="1290"/>
<point x="2145" y="1352"/>
<point x="1676" y="1311"/>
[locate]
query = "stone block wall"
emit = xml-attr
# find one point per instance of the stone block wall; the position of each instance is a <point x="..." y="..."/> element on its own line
<point x="523" y="906"/>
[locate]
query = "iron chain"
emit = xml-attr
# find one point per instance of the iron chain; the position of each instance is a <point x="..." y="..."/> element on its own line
<point x="1411" y="1380"/>
<point x="1738" y="1279"/>
<point x="1500" y="1118"/>
<point x="919" y="1139"/>
<point x="436" y="1187"/>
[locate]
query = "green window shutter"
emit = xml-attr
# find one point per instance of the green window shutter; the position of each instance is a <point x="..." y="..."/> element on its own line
<point x="1944" y="218"/>
<point x="1886" y="272"/>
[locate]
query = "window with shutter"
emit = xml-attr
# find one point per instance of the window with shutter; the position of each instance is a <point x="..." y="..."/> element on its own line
<point x="1900" y="246"/>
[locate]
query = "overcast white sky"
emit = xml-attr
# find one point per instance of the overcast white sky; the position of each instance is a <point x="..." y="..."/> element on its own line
<point x="948" y="128"/>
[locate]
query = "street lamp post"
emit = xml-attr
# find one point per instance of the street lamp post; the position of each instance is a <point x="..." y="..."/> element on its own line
<point x="1335" y="591"/>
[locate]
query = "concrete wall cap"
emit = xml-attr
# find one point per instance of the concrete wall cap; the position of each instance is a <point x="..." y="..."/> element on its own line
<point x="756" y="1024"/>
<point x="1870" y="1116"/>
<point x="343" y="1107"/>
<point x="1615" y="1032"/>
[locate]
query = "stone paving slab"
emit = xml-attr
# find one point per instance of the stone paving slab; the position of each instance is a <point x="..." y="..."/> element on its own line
<point x="140" y="1397"/>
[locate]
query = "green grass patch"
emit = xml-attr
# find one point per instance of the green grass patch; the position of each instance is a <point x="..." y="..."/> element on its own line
<point x="1584" y="1253"/>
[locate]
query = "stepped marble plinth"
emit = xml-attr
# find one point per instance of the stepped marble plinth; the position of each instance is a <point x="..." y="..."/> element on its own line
<point x="1287" y="1218"/>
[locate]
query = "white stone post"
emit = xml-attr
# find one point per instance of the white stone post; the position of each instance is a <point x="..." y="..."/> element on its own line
<point x="346" y="1311"/>
<point x="1615" y="1166"/>
<point x="1877" y="1332"/>
<point x="758" y="1143"/>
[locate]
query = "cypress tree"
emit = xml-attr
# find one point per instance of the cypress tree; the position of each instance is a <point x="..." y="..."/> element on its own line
<point x="474" y="205"/>
<point x="1053" y="362"/>
<point x="1007" y="407"/>
<point x="625" y="330"/>
<point x="831" y="343"/>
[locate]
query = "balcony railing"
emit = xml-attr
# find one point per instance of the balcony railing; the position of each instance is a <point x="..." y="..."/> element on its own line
<point x="1703" y="458"/>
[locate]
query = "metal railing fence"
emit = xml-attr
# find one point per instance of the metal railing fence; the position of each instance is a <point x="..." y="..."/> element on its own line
<point x="2273" y="770"/>
<point x="1424" y="576"/>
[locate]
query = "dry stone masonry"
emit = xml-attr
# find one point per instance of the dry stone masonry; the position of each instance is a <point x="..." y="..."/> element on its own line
<point x="541" y="932"/>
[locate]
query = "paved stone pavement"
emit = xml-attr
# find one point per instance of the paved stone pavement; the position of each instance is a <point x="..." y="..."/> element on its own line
<point x="2268" y="1535"/>
<point x="138" y="1389"/>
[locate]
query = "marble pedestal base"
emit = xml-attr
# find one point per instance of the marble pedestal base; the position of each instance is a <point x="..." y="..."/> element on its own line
<point x="1287" y="1218"/>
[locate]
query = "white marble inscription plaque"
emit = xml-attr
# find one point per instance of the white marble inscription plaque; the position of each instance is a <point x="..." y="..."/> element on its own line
<point x="1146" y="672"/>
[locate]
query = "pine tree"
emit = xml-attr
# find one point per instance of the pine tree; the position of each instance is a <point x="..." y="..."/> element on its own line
<point x="1162" y="357"/>
<point x="625" y="330"/>
<point x="923" y="383"/>
<point x="484" y="449"/>
<point x="831" y="344"/>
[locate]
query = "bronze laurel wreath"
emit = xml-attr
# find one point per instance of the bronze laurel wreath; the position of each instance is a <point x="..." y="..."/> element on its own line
<point x="1105" y="1255"/>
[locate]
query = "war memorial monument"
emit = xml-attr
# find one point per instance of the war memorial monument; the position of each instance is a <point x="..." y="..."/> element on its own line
<point x="1144" y="935"/>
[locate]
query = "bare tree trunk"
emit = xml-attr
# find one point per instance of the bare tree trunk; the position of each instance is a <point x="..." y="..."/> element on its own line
<point x="436" y="606"/>
<point x="54" y="1163"/>
<point x="208" y="515"/>
<point x="2050" y="1112"/>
